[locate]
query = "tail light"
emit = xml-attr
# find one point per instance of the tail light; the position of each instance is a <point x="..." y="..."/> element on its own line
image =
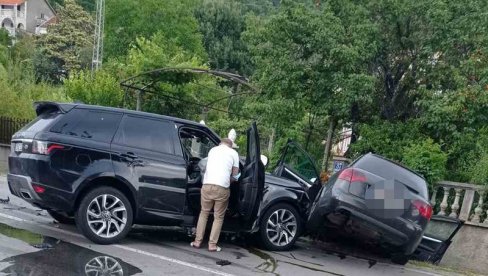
<point x="351" y="175"/>
<point x="421" y="208"/>
<point x="44" y="148"/>
<point x="38" y="189"/>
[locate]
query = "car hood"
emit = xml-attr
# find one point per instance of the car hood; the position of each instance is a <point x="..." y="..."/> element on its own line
<point x="279" y="181"/>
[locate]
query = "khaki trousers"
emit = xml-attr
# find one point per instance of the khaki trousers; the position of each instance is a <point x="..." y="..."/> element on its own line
<point x="217" y="198"/>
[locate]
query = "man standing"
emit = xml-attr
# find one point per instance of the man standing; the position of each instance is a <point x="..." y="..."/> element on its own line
<point x="222" y="165"/>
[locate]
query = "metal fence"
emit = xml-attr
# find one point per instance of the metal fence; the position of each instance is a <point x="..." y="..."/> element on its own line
<point x="8" y="126"/>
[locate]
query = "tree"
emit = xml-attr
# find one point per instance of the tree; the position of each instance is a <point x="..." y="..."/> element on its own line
<point x="67" y="45"/>
<point x="222" y="22"/>
<point x="311" y="57"/>
<point x="126" y="20"/>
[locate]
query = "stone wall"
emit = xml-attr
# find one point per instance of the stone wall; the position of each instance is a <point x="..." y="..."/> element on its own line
<point x="469" y="249"/>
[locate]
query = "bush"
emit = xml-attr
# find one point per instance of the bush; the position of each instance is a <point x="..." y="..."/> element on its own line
<point x="426" y="158"/>
<point x="102" y="89"/>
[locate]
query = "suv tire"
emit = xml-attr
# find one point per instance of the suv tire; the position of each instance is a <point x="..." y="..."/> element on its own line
<point x="280" y="227"/>
<point x="61" y="217"/>
<point x="104" y="215"/>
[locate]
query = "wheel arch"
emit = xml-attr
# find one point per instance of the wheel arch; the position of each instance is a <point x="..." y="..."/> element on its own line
<point x="289" y="201"/>
<point x="111" y="181"/>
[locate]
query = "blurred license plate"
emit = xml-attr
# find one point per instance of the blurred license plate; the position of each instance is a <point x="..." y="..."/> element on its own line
<point x="18" y="147"/>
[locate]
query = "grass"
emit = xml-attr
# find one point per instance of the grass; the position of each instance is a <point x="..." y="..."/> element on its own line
<point x="440" y="268"/>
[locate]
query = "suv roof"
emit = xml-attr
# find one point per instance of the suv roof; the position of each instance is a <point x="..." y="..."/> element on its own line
<point x="42" y="107"/>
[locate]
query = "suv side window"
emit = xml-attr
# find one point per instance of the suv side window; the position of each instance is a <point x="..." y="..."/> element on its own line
<point x="146" y="133"/>
<point x="195" y="143"/>
<point x="89" y="124"/>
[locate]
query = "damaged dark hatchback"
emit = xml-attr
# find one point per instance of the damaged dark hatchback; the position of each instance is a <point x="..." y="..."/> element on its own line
<point x="377" y="200"/>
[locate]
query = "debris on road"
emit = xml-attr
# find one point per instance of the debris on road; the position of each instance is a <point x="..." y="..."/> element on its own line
<point x="223" y="262"/>
<point x="5" y="201"/>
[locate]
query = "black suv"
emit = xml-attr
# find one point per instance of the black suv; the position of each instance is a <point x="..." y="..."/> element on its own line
<point x="111" y="168"/>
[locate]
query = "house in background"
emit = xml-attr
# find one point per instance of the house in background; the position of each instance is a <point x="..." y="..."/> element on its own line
<point x="25" y="15"/>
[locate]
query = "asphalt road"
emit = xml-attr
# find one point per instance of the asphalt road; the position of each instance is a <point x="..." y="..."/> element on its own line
<point x="32" y="243"/>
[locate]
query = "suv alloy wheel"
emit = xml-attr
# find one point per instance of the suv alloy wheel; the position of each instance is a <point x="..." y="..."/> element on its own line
<point x="104" y="215"/>
<point x="280" y="227"/>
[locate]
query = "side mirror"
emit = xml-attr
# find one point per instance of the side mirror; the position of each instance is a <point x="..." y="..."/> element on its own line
<point x="265" y="160"/>
<point x="313" y="179"/>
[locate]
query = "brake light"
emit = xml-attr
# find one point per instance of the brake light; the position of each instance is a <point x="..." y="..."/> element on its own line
<point x="352" y="175"/>
<point x="38" y="189"/>
<point x="423" y="209"/>
<point x="44" y="148"/>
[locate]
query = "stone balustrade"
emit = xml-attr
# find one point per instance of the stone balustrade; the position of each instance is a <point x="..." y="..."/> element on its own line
<point x="458" y="201"/>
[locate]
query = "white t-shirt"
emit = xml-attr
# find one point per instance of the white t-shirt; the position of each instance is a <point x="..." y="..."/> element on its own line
<point x="221" y="159"/>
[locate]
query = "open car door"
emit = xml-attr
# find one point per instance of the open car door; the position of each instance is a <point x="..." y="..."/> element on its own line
<point x="437" y="238"/>
<point x="297" y="165"/>
<point x="251" y="185"/>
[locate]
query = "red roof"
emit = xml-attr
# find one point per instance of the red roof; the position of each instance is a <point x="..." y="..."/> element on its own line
<point x="11" y="2"/>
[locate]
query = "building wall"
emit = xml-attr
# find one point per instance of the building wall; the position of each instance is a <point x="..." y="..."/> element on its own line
<point x="4" y="152"/>
<point x="13" y="15"/>
<point x="469" y="249"/>
<point x="35" y="8"/>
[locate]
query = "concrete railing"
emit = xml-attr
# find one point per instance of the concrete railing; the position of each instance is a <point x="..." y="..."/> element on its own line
<point x="463" y="201"/>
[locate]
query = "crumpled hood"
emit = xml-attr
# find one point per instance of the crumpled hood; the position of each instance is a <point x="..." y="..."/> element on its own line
<point x="274" y="180"/>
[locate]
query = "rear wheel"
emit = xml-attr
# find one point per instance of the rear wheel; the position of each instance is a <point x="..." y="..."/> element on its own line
<point x="280" y="227"/>
<point x="61" y="217"/>
<point x="104" y="215"/>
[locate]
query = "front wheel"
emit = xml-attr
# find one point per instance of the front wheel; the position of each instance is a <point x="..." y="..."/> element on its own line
<point x="104" y="215"/>
<point x="280" y="227"/>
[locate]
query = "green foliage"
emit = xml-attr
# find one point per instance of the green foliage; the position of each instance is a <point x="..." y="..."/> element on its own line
<point x="387" y="139"/>
<point x="427" y="158"/>
<point x="67" y="45"/>
<point x="5" y="39"/>
<point x="127" y="20"/>
<point x="222" y="22"/>
<point x="101" y="89"/>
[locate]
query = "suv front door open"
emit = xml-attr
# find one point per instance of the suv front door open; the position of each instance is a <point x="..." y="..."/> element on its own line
<point x="251" y="184"/>
<point x="295" y="164"/>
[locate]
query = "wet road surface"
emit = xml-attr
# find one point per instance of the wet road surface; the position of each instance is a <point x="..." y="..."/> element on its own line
<point x="32" y="243"/>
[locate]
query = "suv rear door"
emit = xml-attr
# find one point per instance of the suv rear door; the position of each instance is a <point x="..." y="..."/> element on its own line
<point x="251" y="185"/>
<point x="144" y="154"/>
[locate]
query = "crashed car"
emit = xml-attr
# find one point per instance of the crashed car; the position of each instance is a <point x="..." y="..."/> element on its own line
<point x="109" y="168"/>
<point x="377" y="200"/>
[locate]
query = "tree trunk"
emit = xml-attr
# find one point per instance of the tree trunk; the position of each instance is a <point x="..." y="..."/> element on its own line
<point x="328" y="143"/>
<point x="271" y="140"/>
<point x="139" y="100"/>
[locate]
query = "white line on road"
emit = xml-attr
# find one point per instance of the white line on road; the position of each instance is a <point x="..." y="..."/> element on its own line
<point x="199" y="267"/>
<point x="142" y="252"/>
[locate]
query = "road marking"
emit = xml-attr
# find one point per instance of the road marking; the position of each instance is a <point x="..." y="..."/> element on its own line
<point x="142" y="252"/>
<point x="40" y="225"/>
<point x="164" y="258"/>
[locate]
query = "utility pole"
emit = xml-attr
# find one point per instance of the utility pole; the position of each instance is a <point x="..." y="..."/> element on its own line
<point x="98" y="37"/>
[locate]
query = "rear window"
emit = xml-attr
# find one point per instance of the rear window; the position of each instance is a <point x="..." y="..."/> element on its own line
<point x="41" y="122"/>
<point x="89" y="124"/>
<point x="389" y="170"/>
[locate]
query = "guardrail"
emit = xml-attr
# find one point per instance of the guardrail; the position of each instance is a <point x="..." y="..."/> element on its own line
<point x="462" y="200"/>
<point x="8" y="126"/>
